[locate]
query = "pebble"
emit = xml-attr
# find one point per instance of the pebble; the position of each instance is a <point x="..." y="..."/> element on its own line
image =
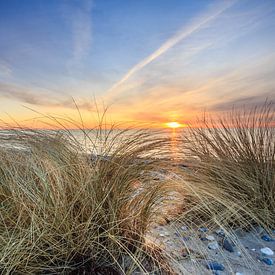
<point x="215" y="266"/>
<point x="267" y="251"/>
<point x="267" y="261"/>
<point x="203" y="239"/>
<point x="267" y="238"/>
<point x="227" y="245"/>
<point x="162" y="235"/>
<point x="213" y="245"/>
<point x="220" y="232"/>
<point x="239" y="253"/>
<point x="253" y="249"/>
<point x="203" y="229"/>
<point x="238" y="273"/>
<point x="210" y="238"/>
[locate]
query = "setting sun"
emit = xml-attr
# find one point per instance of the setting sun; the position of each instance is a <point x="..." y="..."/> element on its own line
<point x="173" y="124"/>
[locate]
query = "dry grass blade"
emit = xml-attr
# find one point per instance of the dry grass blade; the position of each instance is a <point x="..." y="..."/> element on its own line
<point x="235" y="165"/>
<point x="65" y="212"/>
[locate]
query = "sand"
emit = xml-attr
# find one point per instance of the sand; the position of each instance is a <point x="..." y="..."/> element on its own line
<point x="189" y="254"/>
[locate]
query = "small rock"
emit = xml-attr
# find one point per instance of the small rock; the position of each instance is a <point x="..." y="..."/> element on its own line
<point x="239" y="253"/>
<point x="253" y="249"/>
<point x="227" y="245"/>
<point x="184" y="228"/>
<point x="267" y="261"/>
<point x="215" y="266"/>
<point x="267" y="251"/>
<point x="203" y="229"/>
<point x="210" y="238"/>
<point x="220" y="232"/>
<point x="267" y="238"/>
<point x="162" y="235"/>
<point x="203" y="239"/>
<point x="238" y="273"/>
<point x="213" y="245"/>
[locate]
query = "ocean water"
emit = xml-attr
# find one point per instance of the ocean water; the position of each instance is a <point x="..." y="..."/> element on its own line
<point x="96" y="143"/>
<point x="105" y="142"/>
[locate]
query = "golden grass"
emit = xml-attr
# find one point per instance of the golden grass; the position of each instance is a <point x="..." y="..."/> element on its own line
<point x="234" y="175"/>
<point x="62" y="212"/>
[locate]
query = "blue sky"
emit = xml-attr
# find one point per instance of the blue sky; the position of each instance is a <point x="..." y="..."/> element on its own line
<point x="153" y="61"/>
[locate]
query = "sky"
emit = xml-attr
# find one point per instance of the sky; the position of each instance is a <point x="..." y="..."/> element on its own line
<point x="148" y="61"/>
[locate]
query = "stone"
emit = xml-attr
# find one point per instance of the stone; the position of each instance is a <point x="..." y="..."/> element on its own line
<point x="238" y="273"/>
<point x="239" y="253"/>
<point x="203" y="229"/>
<point x="220" y="232"/>
<point x="210" y="238"/>
<point x="213" y="245"/>
<point x="203" y="239"/>
<point x="267" y="251"/>
<point x="268" y="261"/>
<point x="267" y="238"/>
<point x="215" y="266"/>
<point x="228" y="245"/>
<point x="184" y="228"/>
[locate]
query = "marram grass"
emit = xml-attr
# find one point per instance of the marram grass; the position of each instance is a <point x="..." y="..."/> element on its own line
<point x="234" y="171"/>
<point x="62" y="212"/>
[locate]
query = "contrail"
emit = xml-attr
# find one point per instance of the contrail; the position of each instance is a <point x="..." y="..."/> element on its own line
<point x="184" y="33"/>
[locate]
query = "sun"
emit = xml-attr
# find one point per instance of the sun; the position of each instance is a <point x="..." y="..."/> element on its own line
<point x="173" y="124"/>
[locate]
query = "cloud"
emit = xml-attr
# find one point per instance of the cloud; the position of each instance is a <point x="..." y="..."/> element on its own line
<point x="171" y="42"/>
<point x="245" y="102"/>
<point x="248" y="84"/>
<point x="215" y="68"/>
<point x="5" y="69"/>
<point x="82" y="30"/>
<point x="40" y="97"/>
<point x="78" y="16"/>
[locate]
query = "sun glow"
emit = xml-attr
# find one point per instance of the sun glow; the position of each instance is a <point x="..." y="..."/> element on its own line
<point x="173" y="124"/>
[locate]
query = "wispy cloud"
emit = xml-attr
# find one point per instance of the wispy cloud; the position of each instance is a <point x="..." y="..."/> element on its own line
<point x="78" y="15"/>
<point x="5" y="69"/>
<point x="40" y="97"/>
<point x="248" y="84"/>
<point x="171" y="42"/>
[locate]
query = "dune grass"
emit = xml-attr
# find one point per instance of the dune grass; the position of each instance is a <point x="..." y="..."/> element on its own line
<point x="68" y="211"/>
<point x="234" y="171"/>
<point x="63" y="211"/>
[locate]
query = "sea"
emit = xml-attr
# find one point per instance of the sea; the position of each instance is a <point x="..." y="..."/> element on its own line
<point x="104" y="142"/>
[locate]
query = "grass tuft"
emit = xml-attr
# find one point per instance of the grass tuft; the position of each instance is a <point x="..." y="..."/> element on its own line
<point x="234" y="171"/>
<point x="66" y="211"/>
